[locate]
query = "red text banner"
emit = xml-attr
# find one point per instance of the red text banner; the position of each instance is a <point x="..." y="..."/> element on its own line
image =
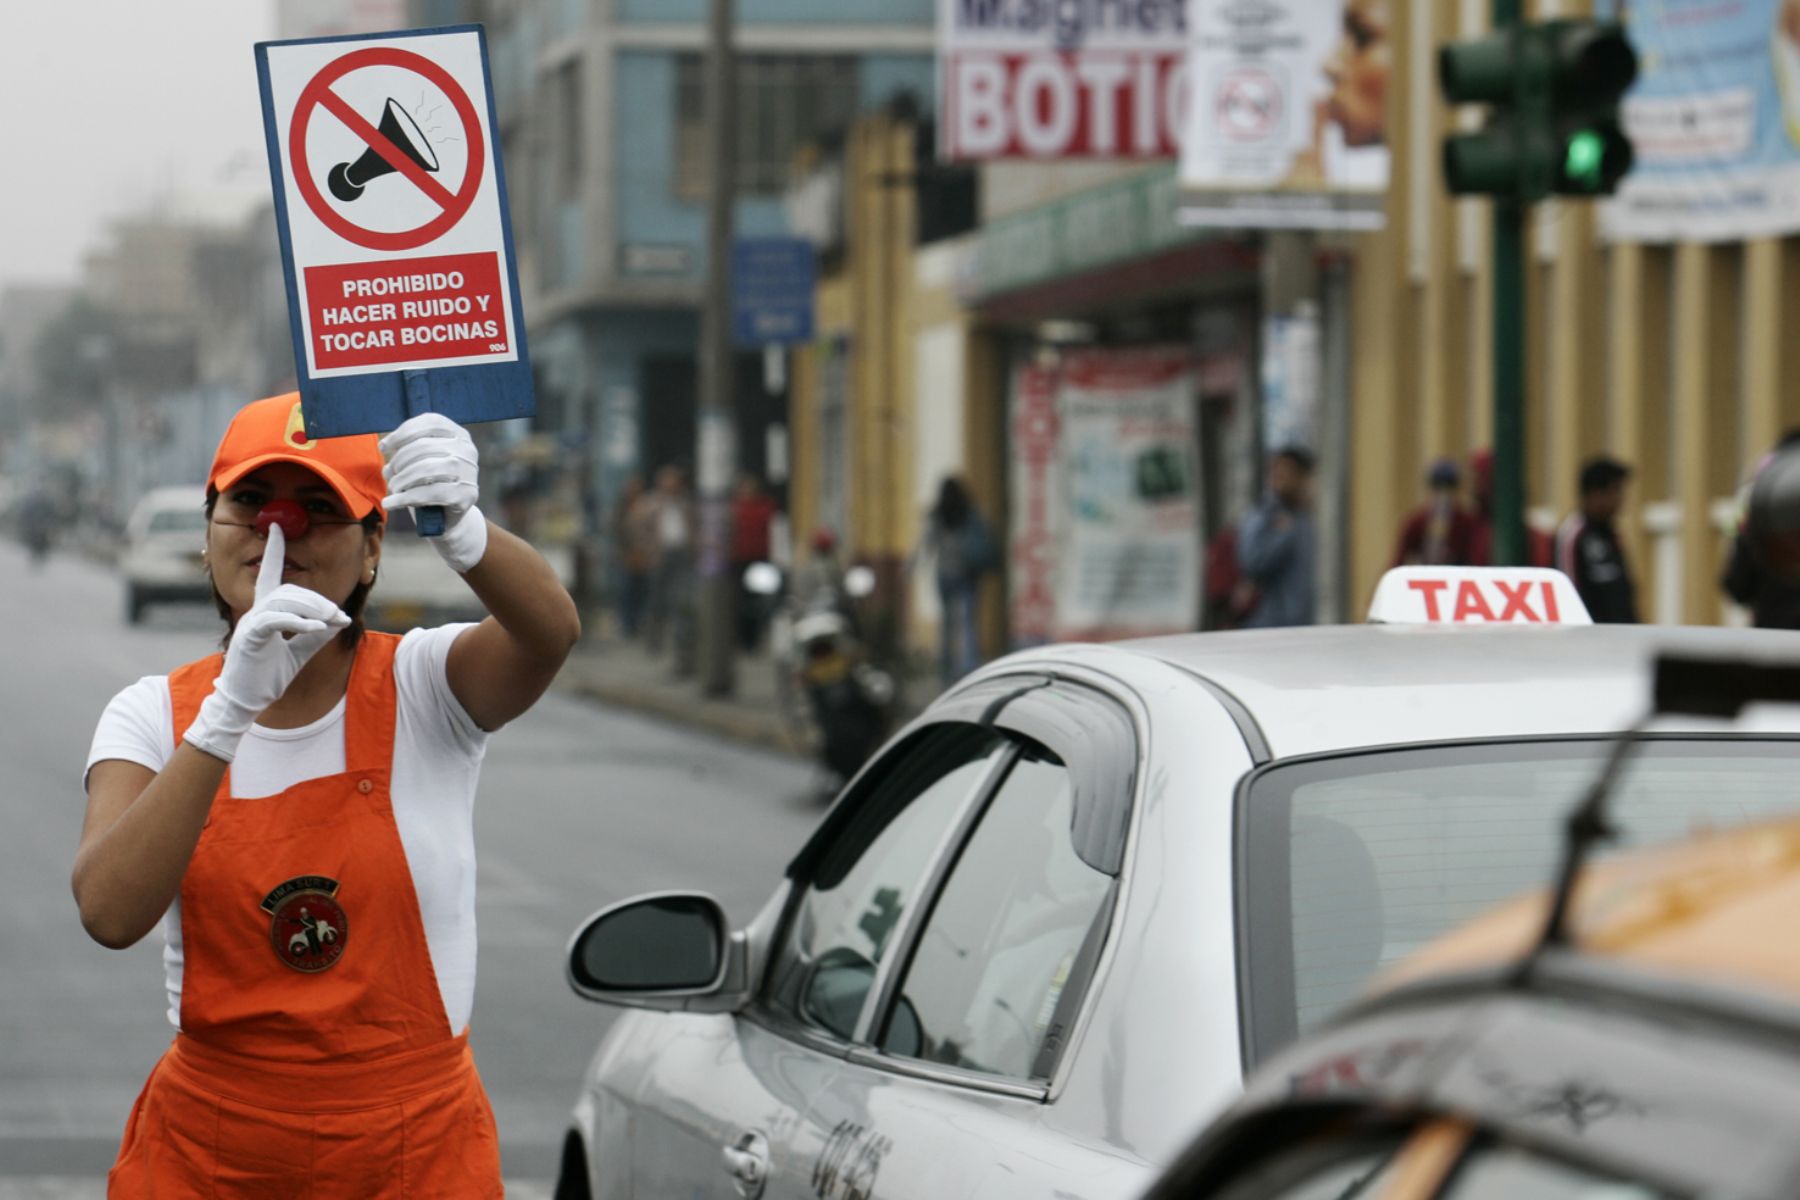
<point x="407" y="310"/>
<point x="1094" y="104"/>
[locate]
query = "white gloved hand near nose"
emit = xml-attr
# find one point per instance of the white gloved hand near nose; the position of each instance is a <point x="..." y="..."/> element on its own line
<point x="284" y="628"/>
<point x="431" y="460"/>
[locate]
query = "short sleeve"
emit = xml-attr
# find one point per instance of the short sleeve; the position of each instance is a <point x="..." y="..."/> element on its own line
<point x="421" y="670"/>
<point x="138" y="726"/>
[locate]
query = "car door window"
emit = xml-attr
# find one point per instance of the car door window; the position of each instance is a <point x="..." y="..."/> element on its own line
<point x="866" y="879"/>
<point x="1002" y="941"/>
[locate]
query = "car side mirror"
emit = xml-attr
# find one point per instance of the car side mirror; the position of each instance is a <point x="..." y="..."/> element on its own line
<point x="672" y="951"/>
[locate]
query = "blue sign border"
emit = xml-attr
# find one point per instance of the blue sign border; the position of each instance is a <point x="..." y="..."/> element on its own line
<point x="376" y="403"/>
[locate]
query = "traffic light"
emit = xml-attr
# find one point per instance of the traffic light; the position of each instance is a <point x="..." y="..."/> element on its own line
<point x="1554" y="129"/>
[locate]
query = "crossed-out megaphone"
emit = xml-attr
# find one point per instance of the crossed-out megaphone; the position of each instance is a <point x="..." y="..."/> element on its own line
<point x="347" y="179"/>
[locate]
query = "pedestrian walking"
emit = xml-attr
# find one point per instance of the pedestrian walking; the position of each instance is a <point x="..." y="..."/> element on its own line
<point x="1773" y="597"/>
<point x="633" y="530"/>
<point x="1278" y="545"/>
<point x="1588" y="549"/>
<point x="963" y="550"/>
<point x="296" y="812"/>
<point x="670" y="613"/>
<point x="1441" y="532"/>
<point x="752" y="512"/>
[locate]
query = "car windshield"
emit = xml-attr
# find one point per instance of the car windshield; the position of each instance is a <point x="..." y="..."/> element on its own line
<point x="1353" y="862"/>
<point x="177" y="520"/>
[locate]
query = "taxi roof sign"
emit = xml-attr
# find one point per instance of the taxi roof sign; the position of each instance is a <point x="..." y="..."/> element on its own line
<point x="1477" y="596"/>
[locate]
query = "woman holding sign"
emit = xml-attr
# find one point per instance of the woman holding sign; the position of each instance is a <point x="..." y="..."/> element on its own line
<point x="296" y="813"/>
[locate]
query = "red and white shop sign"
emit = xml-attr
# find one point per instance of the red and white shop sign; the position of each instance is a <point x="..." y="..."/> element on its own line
<point x="1076" y="105"/>
<point x="1072" y="79"/>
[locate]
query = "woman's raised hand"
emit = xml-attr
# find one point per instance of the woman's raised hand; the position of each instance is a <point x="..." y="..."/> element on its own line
<point x="284" y="628"/>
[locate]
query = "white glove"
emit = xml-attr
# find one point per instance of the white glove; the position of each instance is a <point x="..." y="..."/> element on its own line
<point x="431" y="460"/>
<point x="284" y="628"/>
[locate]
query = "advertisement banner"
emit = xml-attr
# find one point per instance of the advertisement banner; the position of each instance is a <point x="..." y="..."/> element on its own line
<point x="1714" y="119"/>
<point x="1106" y="514"/>
<point x="1037" y="506"/>
<point x="1288" y="114"/>
<point x="1050" y="79"/>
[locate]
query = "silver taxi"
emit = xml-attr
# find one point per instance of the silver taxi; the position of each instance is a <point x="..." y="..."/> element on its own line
<point x="1039" y="940"/>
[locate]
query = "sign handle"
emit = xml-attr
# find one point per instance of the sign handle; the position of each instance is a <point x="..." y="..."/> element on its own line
<point x="429" y="518"/>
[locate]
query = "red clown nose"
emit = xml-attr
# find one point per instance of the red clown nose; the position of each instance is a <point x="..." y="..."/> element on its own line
<point x="285" y="513"/>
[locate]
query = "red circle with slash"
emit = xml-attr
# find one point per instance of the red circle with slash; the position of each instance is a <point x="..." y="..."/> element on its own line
<point x="318" y="94"/>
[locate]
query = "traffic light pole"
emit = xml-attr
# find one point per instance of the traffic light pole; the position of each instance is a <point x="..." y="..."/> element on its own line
<point x="1509" y="357"/>
<point x="1509" y="383"/>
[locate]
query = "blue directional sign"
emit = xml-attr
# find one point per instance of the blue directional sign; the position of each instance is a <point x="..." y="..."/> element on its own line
<point x="772" y="291"/>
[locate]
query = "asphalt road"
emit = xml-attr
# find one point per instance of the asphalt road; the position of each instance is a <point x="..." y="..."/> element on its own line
<point x="579" y="806"/>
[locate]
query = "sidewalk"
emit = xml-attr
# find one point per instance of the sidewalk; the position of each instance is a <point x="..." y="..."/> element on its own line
<point x="619" y="671"/>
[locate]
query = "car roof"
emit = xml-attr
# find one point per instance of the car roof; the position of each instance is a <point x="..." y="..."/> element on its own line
<point x="1330" y="688"/>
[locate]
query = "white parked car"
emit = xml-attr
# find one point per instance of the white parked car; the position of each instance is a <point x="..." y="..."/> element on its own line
<point x="163" y="538"/>
<point x="1040" y="939"/>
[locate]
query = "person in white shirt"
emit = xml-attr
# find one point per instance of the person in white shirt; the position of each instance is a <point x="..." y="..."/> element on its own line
<point x="296" y="814"/>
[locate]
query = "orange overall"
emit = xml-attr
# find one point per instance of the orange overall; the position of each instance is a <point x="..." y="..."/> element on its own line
<point x="315" y="1059"/>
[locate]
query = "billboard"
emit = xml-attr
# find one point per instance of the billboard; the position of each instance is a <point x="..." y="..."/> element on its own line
<point x="1287" y="124"/>
<point x="1051" y="79"/>
<point x="1714" y="119"/>
<point x="1106" y="520"/>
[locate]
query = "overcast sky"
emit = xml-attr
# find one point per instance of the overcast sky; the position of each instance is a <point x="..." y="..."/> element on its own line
<point x="110" y="106"/>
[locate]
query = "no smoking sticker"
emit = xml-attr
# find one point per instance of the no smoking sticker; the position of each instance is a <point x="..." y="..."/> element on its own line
<point x="391" y="205"/>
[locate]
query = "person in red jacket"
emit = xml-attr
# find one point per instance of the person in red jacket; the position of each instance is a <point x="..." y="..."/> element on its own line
<point x="1441" y="532"/>
<point x="752" y="512"/>
<point x="1538" y="544"/>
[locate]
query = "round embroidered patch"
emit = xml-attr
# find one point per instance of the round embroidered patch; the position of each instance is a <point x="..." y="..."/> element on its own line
<point x="309" y="927"/>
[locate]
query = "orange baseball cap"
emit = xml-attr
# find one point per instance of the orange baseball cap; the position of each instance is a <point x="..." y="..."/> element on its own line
<point x="272" y="431"/>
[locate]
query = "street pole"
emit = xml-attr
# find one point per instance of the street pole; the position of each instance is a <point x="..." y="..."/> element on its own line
<point x="717" y="423"/>
<point x="1509" y="383"/>
<point x="1509" y="358"/>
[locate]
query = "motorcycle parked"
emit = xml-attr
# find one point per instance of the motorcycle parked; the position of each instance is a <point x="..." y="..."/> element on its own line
<point x="839" y="705"/>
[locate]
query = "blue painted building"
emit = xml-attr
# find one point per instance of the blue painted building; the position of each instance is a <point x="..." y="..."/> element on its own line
<point x="603" y="136"/>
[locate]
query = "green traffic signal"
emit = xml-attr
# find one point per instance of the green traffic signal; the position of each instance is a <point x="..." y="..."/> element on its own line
<point x="1583" y="159"/>
<point x="1555" y="89"/>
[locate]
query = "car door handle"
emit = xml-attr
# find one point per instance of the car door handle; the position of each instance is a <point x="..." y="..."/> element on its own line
<point x="747" y="1162"/>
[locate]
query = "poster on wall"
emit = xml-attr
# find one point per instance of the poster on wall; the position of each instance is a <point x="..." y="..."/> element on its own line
<point x="1287" y="124"/>
<point x="1714" y="120"/>
<point x="1040" y="80"/>
<point x="1291" y="380"/>
<point x="1037" y="506"/>
<point x="1106" y="511"/>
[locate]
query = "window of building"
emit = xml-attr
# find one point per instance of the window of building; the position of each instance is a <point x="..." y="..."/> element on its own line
<point x="782" y="102"/>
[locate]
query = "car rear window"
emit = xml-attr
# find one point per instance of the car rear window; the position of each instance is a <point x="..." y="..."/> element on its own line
<point x="1353" y="862"/>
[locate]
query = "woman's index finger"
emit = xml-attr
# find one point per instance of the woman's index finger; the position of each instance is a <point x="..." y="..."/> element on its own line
<point x="268" y="576"/>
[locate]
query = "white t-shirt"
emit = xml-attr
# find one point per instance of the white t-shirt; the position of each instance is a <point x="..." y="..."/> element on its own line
<point x="437" y="761"/>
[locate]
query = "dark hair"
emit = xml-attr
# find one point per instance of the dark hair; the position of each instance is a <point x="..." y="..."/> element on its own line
<point x="1300" y="456"/>
<point x="953" y="504"/>
<point x="1598" y="474"/>
<point x="353" y="606"/>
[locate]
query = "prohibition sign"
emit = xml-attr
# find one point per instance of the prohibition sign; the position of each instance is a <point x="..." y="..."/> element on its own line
<point x="318" y="94"/>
